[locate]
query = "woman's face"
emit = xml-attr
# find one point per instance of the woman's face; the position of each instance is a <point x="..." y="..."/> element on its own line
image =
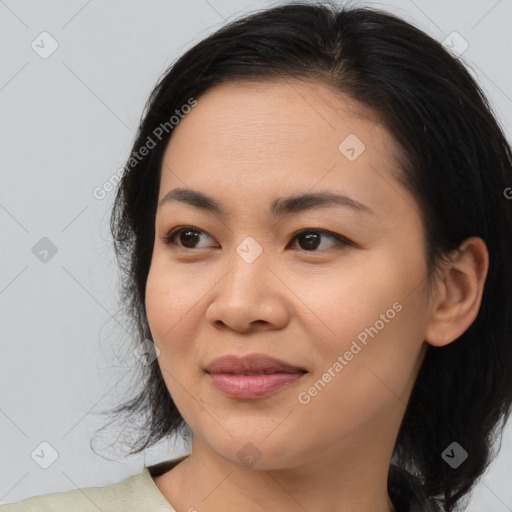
<point x="351" y="312"/>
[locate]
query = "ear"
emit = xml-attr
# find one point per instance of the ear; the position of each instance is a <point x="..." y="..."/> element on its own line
<point x="458" y="293"/>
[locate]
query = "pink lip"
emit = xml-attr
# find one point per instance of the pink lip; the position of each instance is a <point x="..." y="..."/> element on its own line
<point x="252" y="386"/>
<point x="250" y="364"/>
<point x="252" y="376"/>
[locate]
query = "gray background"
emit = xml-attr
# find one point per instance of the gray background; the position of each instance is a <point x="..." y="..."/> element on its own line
<point x="67" y="124"/>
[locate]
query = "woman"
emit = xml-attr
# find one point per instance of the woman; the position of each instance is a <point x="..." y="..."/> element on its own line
<point x="315" y="231"/>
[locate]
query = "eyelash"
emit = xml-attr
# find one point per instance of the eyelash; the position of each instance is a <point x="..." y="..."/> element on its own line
<point x="168" y="239"/>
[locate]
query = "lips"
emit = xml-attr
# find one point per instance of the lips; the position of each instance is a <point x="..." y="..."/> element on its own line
<point x="253" y="377"/>
<point x="254" y="364"/>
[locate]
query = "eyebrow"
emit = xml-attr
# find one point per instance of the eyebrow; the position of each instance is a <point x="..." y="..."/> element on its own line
<point x="292" y="204"/>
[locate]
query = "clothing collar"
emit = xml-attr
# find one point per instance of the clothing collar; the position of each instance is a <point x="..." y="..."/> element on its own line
<point x="404" y="489"/>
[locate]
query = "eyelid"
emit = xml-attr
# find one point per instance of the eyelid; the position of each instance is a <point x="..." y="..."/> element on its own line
<point x="340" y="238"/>
<point x="167" y="239"/>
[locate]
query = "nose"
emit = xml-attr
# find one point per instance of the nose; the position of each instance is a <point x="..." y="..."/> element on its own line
<point x="249" y="297"/>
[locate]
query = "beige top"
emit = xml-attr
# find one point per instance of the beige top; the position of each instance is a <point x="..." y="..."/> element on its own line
<point x="139" y="493"/>
<point x="136" y="493"/>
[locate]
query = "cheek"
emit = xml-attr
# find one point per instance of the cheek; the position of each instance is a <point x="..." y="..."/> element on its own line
<point x="170" y="313"/>
<point x="338" y="305"/>
<point x="369" y="318"/>
<point x="169" y="300"/>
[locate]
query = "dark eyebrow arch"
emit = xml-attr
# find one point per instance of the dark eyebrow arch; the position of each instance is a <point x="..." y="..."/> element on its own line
<point x="279" y="206"/>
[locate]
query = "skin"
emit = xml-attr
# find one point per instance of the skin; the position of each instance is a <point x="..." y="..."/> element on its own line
<point x="246" y="144"/>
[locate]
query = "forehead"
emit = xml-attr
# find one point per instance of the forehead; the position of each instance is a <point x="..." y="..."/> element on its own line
<point x="256" y="136"/>
<point x="262" y="120"/>
<point x="293" y="109"/>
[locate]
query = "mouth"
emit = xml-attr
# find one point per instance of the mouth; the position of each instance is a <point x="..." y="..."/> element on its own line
<point x="252" y="377"/>
<point x="261" y="372"/>
<point x="253" y="364"/>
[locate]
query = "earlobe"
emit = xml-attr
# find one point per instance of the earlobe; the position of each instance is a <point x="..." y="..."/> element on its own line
<point x="459" y="293"/>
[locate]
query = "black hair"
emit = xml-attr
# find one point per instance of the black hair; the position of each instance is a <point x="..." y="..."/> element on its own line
<point x="453" y="157"/>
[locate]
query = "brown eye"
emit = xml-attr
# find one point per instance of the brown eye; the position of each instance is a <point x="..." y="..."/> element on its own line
<point x="188" y="237"/>
<point x="312" y="239"/>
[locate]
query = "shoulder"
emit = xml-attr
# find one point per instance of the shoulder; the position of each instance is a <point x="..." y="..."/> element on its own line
<point x="137" y="492"/>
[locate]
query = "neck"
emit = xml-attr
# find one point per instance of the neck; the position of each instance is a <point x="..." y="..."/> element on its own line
<point x="331" y="482"/>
